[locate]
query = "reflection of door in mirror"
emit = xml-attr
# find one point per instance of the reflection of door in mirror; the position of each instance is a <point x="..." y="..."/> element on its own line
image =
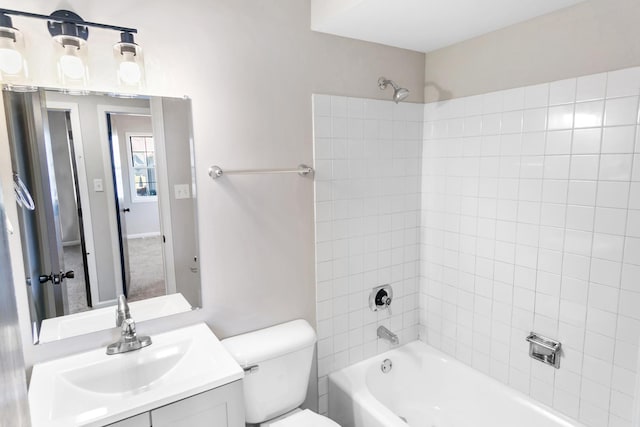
<point x="133" y="162"/>
<point x="39" y="227"/>
<point x="72" y="206"/>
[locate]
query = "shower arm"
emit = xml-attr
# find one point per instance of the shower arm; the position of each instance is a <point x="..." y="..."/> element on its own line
<point x="382" y="83"/>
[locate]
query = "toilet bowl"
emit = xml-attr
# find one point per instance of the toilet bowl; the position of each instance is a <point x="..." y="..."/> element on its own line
<point x="277" y="365"/>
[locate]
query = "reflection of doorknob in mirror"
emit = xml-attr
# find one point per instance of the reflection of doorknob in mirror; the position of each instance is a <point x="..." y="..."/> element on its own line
<point x="56" y="279"/>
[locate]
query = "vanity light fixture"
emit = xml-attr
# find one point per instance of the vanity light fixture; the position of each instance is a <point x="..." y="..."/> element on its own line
<point x="13" y="67"/>
<point x="70" y="33"/>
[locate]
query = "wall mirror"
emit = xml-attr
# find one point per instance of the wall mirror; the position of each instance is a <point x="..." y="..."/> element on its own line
<point x="106" y="203"/>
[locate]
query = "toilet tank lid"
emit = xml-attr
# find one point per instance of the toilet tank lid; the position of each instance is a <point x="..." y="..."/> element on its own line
<point x="269" y="343"/>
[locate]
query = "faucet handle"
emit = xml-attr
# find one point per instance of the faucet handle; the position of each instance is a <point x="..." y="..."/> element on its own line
<point x="128" y="328"/>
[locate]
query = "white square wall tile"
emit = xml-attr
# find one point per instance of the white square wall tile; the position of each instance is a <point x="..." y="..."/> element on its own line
<point x="588" y="114"/>
<point x="610" y="220"/>
<point x="562" y="92"/>
<point x="615" y="167"/>
<point x="557" y="167"/>
<point x="580" y="217"/>
<point x="561" y="117"/>
<point x="536" y="96"/>
<point x="513" y="99"/>
<point x="584" y="167"/>
<point x="512" y="122"/>
<point x="582" y="193"/>
<point x="618" y="139"/>
<point x="613" y="194"/>
<point x="321" y="105"/>
<point x="624" y="82"/>
<point x="603" y="297"/>
<point x="338" y="106"/>
<point x="591" y="87"/>
<point x="558" y="142"/>
<point x="621" y="111"/>
<point x="599" y="346"/>
<point x="606" y="246"/>
<point x="586" y="141"/>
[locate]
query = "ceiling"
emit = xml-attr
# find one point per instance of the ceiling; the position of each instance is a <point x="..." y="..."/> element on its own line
<point x="424" y="25"/>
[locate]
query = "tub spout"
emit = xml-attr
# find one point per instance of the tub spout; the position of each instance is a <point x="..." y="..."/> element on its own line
<point x="386" y="334"/>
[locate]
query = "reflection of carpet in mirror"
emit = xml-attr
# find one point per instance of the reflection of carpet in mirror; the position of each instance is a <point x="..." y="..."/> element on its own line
<point x="146" y="272"/>
<point x="146" y="268"/>
<point x="76" y="292"/>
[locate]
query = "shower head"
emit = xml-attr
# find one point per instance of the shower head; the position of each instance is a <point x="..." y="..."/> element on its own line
<point x="399" y="93"/>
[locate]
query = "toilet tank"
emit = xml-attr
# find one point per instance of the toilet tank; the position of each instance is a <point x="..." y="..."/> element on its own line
<point x="277" y="363"/>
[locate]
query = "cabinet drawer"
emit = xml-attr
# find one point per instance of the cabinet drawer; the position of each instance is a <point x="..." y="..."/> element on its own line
<point x="142" y="420"/>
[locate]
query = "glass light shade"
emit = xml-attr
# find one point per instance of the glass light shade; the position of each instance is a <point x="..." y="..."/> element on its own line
<point x="72" y="66"/>
<point x="13" y="67"/>
<point x="130" y="63"/>
<point x="71" y="55"/>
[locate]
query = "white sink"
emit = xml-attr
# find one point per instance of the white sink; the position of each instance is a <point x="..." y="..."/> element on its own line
<point x="99" y="319"/>
<point x="94" y="389"/>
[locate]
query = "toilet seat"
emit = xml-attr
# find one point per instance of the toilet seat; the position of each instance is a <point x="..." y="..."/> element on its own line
<point x="305" y="418"/>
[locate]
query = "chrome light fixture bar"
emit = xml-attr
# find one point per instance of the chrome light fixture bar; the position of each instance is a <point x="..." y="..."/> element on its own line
<point x="70" y="32"/>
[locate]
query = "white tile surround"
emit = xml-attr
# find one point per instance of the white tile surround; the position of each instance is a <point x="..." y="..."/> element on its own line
<point x="367" y="159"/>
<point x="529" y="219"/>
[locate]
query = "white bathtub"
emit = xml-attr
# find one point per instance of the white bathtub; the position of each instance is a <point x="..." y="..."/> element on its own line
<point x="429" y="389"/>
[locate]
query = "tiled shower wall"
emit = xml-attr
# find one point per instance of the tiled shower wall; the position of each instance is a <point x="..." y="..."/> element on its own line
<point x="367" y="158"/>
<point x="531" y="222"/>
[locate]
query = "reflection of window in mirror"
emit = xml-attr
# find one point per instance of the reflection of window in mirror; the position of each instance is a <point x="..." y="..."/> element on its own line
<point x="142" y="167"/>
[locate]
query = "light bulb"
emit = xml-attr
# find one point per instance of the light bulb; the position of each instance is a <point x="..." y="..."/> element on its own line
<point x="129" y="70"/>
<point x="10" y="61"/>
<point x="72" y="67"/>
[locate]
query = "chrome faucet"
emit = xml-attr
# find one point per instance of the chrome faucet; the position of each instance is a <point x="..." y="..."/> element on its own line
<point x="129" y="339"/>
<point x="386" y="334"/>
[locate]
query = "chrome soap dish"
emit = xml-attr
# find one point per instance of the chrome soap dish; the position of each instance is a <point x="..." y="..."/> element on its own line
<point x="544" y="349"/>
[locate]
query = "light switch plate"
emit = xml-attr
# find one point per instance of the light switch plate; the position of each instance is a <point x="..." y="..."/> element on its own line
<point x="181" y="191"/>
<point x="97" y="185"/>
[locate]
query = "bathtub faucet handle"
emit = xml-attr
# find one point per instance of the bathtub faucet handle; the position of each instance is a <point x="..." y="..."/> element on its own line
<point x="380" y="298"/>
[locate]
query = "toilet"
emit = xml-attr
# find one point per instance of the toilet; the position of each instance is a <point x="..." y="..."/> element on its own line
<point x="277" y="364"/>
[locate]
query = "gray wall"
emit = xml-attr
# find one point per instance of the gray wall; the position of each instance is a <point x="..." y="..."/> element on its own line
<point x="591" y="37"/>
<point x="250" y="68"/>
<point x="144" y="217"/>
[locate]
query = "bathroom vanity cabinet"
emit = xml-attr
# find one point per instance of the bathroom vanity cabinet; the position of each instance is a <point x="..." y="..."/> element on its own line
<point x="220" y="407"/>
